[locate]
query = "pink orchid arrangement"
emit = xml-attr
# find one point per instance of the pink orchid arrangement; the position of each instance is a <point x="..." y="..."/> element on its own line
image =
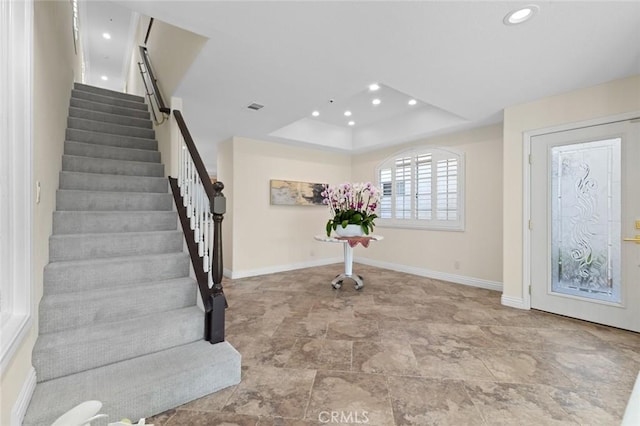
<point x="351" y="204"/>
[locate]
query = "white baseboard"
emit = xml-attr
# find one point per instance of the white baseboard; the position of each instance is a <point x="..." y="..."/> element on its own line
<point x="513" y="302"/>
<point x="24" y="397"/>
<point x="280" y="268"/>
<point x="444" y="276"/>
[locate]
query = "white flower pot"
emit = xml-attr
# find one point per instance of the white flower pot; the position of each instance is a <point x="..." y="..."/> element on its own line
<point x="349" y="231"/>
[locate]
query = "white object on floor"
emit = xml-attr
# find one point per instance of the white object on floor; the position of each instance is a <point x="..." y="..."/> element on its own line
<point x="127" y="422"/>
<point x="632" y="412"/>
<point x="81" y="415"/>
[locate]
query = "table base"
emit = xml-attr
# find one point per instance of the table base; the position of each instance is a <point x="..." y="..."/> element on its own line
<point x="339" y="279"/>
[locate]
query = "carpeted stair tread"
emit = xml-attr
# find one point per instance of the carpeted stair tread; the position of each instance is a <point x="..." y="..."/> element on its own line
<point x="79" y="349"/>
<point x="110" y="109"/>
<point x="110" y="118"/>
<point x="70" y="310"/>
<point x="107" y="182"/>
<point x="114" y="129"/>
<point x="75" y="163"/>
<point x="121" y="141"/>
<point x="94" y="97"/>
<point x="82" y="149"/>
<point x="83" y="275"/>
<point x="96" y="246"/>
<point x="80" y="222"/>
<point x="140" y="387"/>
<point x="68" y="199"/>
<point x="107" y="92"/>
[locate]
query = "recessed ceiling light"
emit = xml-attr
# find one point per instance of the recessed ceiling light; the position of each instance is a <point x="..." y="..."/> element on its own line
<point x="315" y="113"/>
<point x="107" y="36"/>
<point x="104" y="78"/>
<point x="347" y="113"/>
<point x="352" y="123"/>
<point x="521" y="15"/>
<point x="373" y="87"/>
<point x="412" y="102"/>
<point x="376" y="101"/>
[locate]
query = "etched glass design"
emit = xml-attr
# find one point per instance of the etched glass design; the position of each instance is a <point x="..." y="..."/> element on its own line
<point x="585" y="219"/>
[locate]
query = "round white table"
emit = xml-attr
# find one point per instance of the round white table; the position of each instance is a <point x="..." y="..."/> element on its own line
<point x="349" y="243"/>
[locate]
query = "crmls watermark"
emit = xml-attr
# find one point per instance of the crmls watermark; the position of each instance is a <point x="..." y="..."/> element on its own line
<point x="356" y="417"/>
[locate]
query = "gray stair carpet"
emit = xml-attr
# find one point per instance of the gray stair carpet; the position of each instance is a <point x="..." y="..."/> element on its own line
<point x="118" y="320"/>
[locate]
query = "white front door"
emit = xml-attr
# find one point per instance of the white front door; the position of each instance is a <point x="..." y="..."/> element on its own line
<point x="585" y="201"/>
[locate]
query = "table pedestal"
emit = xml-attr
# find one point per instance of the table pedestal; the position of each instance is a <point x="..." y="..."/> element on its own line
<point x="348" y="270"/>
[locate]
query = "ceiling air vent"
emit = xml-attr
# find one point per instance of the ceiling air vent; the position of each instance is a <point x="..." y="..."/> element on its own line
<point x="254" y="106"/>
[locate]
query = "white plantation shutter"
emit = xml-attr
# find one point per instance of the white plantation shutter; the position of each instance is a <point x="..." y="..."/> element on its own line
<point x="447" y="189"/>
<point x="403" y="188"/>
<point x="384" y="179"/>
<point x="422" y="188"/>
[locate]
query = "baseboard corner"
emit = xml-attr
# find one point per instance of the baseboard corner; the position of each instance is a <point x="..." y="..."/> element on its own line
<point x="513" y="302"/>
<point x="19" y="409"/>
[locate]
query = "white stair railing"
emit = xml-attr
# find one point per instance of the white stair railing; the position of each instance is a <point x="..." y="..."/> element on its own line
<point x="196" y="202"/>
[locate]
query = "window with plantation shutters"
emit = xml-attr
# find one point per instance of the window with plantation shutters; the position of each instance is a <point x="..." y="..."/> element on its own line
<point x="422" y="188"/>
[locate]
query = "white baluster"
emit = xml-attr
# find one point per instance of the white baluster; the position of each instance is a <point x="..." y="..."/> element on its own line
<point x="185" y="200"/>
<point x="200" y="218"/>
<point x="191" y="194"/>
<point x="207" y="243"/>
<point x="196" y="209"/>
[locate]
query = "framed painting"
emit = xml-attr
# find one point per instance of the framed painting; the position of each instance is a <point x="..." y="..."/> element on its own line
<point x="294" y="193"/>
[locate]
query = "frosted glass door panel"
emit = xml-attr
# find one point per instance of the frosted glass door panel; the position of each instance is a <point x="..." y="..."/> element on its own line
<point x="585" y="220"/>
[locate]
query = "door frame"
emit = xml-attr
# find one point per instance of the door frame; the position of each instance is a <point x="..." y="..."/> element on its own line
<point x="526" y="186"/>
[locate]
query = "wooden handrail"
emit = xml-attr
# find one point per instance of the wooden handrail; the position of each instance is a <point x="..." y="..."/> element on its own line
<point x="201" y="206"/>
<point x="195" y="155"/>
<point x="156" y="90"/>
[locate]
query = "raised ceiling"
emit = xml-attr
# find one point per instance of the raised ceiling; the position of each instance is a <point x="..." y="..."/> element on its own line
<point x="458" y="59"/>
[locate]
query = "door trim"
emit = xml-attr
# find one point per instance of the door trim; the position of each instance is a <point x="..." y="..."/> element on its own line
<point x="526" y="186"/>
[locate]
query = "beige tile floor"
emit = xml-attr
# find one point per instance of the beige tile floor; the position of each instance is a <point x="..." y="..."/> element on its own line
<point x="407" y="350"/>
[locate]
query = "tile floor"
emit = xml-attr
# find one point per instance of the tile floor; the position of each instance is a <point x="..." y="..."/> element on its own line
<point x="408" y="350"/>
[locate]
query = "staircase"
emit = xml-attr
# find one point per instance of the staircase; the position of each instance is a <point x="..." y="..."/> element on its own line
<point x="118" y="319"/>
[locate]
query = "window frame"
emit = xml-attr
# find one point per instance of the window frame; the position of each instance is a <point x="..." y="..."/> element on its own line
<point x="437" y="153"/>
<point x="16" y="209"/>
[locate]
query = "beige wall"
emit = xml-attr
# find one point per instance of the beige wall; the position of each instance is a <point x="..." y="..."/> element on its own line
<point x="616" y="97"/>
<point x="477" y="251"/>
<point x="54" y="62"/>
<point x="266" y="237"/>
<point x="172" y="50"/>
<point x="134" y="83"/>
